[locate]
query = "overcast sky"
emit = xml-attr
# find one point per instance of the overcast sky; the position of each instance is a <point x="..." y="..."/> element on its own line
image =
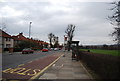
<point x="90" y="19"/>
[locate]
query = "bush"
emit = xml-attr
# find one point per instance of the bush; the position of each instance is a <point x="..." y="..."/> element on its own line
<point x="17" y="49"/>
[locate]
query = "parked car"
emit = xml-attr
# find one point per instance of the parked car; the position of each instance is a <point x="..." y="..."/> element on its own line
<point x="45" y="50"/>
<point x="27" y="50"/>
<point x="56" y="49"/>
<point x="59" y="48"/>
<point x="51" y="49"/>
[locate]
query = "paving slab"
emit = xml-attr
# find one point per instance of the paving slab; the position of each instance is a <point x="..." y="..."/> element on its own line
<point x="66" y="68"/>
<point x="49" y="76"/>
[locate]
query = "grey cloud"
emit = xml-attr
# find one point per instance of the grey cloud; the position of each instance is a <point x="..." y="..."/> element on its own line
<point x="89" y="18"/>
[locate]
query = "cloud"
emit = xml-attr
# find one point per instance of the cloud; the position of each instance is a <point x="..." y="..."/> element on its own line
<point x="57" y="1"/>
<point x="8" y="11"/>
<point x="92" y="27"/>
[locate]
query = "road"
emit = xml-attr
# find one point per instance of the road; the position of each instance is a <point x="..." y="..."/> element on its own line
<point x="11" y="61"/>
<point x="27" y="66"/>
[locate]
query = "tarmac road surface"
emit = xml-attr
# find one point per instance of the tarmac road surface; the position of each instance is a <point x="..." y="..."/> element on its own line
<point x="29" y="67"/>
<point x="15" y="59"/>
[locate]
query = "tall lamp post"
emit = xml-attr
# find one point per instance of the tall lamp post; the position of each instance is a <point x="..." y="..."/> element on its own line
<point x="30" y="29"/>
<point x="30" y="32"/>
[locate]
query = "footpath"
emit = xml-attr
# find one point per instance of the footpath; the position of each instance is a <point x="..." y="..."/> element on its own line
<point x="66" y="68"/>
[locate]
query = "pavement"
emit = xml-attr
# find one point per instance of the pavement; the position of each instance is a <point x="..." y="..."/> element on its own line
<point x="7" y="52"/>
<point x="66" y="68"/>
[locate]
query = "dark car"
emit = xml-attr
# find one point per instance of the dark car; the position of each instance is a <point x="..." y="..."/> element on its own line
<point x="45" y="50"/>
<point x="27" y="50"/>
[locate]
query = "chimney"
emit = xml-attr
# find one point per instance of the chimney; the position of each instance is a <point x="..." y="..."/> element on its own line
<point x="21" y="33"/>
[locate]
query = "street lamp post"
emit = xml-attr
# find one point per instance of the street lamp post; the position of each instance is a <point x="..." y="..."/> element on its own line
<point x="30" y="29"/>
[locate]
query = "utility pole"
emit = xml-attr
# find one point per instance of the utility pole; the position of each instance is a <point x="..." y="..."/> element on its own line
<point x="30" y="29"/>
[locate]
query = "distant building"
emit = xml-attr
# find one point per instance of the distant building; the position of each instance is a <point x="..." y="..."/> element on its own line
<point x="6" y="41"/>
<point x="20" y="37"/>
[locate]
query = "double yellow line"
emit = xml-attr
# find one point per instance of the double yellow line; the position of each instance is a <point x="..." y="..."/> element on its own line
<point x="37" y="75"/>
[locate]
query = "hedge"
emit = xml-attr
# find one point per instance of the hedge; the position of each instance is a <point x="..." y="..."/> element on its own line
<point x="104" y="66"/>
<point x="18" y="49"/>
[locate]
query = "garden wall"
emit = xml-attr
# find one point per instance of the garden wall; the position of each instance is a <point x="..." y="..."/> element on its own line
<point x="105" y="66"/>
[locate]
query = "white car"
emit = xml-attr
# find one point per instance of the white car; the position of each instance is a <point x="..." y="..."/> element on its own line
<point x="55" y="49"/>
<point x="51" y="49"/>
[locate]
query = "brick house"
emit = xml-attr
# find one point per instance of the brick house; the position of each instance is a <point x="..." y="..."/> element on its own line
<point x="6" y="42"/>
<point x="20" y="37"/>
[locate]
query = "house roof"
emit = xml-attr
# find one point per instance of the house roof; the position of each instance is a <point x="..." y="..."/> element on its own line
<point x="20" y="37"/>
<point x="15" y="37"/>
<point x="4" y="34"/>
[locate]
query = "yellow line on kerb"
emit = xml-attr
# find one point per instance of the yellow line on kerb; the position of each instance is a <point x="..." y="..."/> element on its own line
<point x="34" y="77"/>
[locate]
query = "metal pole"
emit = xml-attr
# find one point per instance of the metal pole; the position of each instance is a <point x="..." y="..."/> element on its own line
<point x="30" y="29"/>
<point x="64" y="42"/>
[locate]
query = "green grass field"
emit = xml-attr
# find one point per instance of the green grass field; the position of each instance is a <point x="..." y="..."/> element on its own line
<point x="111" y="52"/>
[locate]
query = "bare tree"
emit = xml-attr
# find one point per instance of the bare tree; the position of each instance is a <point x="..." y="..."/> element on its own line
<point x="3" y="26"/>
<point x="50" y="37"/>
<point x="56" y="41"/>
<point x="69" y="31"/>
<point x="115" y="20"/>
<point x="53" y="40"/>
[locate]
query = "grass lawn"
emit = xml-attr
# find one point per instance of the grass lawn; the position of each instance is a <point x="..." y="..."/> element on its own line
<point x="111" y="52"/>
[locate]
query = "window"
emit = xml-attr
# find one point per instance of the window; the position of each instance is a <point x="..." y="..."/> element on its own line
<point x="7" y="39"/>
<point x="7" y="45"/>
